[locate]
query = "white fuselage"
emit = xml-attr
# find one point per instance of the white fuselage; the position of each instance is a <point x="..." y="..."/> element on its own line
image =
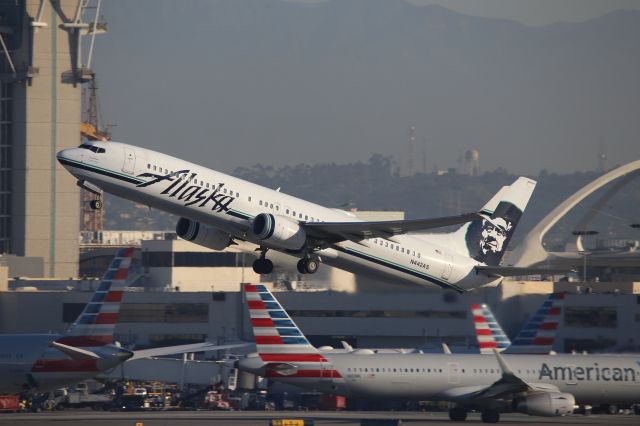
<point x="229" y="204"/>
<point x="449" y="377"/>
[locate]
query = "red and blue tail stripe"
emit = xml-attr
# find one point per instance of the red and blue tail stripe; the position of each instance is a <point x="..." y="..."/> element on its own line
<point x="539" y="333"/>
<point x="279" y="341"/>
<point x="96" y="324"/>
<point x="488" y="332"/>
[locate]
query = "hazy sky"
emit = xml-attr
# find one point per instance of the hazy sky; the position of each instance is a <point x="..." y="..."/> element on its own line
<point x="230" y="83"/>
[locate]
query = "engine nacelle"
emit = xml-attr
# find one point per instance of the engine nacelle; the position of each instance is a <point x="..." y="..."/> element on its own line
<point x="546" y="404"/>
<point x="203" y="235"/>
<point x="279" y="231"/>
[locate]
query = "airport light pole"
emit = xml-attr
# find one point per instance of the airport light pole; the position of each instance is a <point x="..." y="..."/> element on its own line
<point x="585" y="252"/>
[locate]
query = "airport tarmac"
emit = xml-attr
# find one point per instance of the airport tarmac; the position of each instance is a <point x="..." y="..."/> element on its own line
<point x="251" y="418"/>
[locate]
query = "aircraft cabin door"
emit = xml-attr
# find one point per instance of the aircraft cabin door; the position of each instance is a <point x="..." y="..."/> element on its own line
<point x="453" y="372"/>
<point x="447" y="267"/>
<point x="129" y="161"/>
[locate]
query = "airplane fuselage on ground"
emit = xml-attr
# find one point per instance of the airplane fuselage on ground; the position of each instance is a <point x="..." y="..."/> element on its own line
<point x="229" y="205"/>
<point x="590" y="378"/>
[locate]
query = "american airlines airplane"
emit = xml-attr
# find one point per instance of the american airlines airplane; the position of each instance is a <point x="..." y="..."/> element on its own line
<point x="538" y="385"/>
<point x="216" y="209"/>
<point x="43" y="362"/>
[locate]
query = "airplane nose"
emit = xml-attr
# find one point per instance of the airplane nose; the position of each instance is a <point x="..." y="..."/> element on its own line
<point x="66" y="154"/>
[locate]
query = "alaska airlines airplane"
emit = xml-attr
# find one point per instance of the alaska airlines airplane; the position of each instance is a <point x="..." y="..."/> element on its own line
<point x="216" y="208"/>
<point x="43" y="362"/>
<point x="538" y="385"/>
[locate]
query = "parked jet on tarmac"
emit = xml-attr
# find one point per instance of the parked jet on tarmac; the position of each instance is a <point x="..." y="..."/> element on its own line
<point x="43" y="362"/>
<point x="539" y="385"/>
<point x="216" y="208"/>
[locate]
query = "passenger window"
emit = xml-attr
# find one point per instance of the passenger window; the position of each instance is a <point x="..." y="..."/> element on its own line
<point x="418" y="255"/>
<point x="238" y="194"/>
<point x="300" y="215"/>
<point x="260" y="202"/>
<point x="397" y="248"/>
<point x="148" y="166"/>
<point x="386" y="244"/>
<point x="294" y="213"/>
<point x="154" y="168"/>
<point x="287" y="211"/>
<point x="249" y="199"/>
<point x="306" y="217"/>
<point x="270" y="206"/>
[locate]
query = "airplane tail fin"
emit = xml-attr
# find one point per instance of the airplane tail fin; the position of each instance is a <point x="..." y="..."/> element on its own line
<point x="488" y="332"/>
<point x="539" y="333"/>
<point x="280" y="343"/>
<point x="97" y="322"/>
<point x="486" y="240"/>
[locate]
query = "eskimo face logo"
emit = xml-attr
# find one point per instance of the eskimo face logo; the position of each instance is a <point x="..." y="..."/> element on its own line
<point x="183" y="187"/>
<point x="487" y="239"/>
<point x="493" y="235"/>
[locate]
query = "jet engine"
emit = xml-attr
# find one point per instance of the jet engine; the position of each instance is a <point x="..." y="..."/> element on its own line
<point x="203" y="235"/>
<point x="279" y="231"/>
<point x="546" y="404"/>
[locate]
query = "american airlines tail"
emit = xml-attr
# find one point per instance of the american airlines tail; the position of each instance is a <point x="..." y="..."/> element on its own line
<point x="97" y="322"/>
<point x="536" y="337"/>
<point x="486" y="239"/>
<point x="283" y="348"/>
<point x="539" y="333"/>
<point x="488" y="332"/>
<point x="87" y="343"/>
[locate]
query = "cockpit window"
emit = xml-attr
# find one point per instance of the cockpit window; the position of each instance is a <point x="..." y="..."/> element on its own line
<point x="93" y="148"/>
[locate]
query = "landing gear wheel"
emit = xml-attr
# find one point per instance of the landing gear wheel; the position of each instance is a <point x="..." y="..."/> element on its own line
<point x="458" y="414"/>
<point x="307" y="266"/>
<point x="490" y="416"/>
<point x="96" y="204"/>
<point x="262" y="266"/>
<point x="311" y="266"/>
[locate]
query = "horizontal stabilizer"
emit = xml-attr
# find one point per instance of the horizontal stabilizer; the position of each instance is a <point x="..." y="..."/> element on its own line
<point x="509" y="271"/>
<point x="182" y="349"/>
<point x="73" y="352"/>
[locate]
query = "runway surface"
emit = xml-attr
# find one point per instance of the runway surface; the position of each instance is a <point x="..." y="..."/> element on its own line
<point x="258" y="418"/>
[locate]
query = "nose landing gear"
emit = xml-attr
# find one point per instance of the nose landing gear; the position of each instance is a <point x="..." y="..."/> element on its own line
<point x="94" y="204"/>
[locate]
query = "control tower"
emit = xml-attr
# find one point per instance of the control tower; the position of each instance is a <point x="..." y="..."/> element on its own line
<point x="41" y="72"/>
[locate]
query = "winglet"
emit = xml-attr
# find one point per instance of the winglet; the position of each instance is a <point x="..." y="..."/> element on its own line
<point x="506" y="371"/>
<point x="445" y="349"/>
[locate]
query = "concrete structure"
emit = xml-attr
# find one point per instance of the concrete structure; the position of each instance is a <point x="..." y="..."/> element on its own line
<point x="597" y="322"/>
<point x="531" y="252"/>
<point x="40" y="110"/>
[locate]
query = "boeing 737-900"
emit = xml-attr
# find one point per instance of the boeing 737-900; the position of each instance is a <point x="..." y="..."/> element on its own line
<point x="215" y="209"/>
<point x="539" y="385"/>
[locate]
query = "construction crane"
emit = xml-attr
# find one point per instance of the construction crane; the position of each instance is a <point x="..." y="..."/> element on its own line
<point x="91" y="129"/>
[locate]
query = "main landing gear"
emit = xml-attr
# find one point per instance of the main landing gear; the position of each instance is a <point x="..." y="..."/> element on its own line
<point x="262" y="265"/>
<point x="307" y="265"/>
<point x="457" y="414"/>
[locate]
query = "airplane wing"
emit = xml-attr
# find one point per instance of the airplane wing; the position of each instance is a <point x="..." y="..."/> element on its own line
<point x="508" y="384"/>
<point x="333" y="232"/>
<point x="509" y="271"/>
<point x="74" y="352"/>
<point x="181" y="349"/>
